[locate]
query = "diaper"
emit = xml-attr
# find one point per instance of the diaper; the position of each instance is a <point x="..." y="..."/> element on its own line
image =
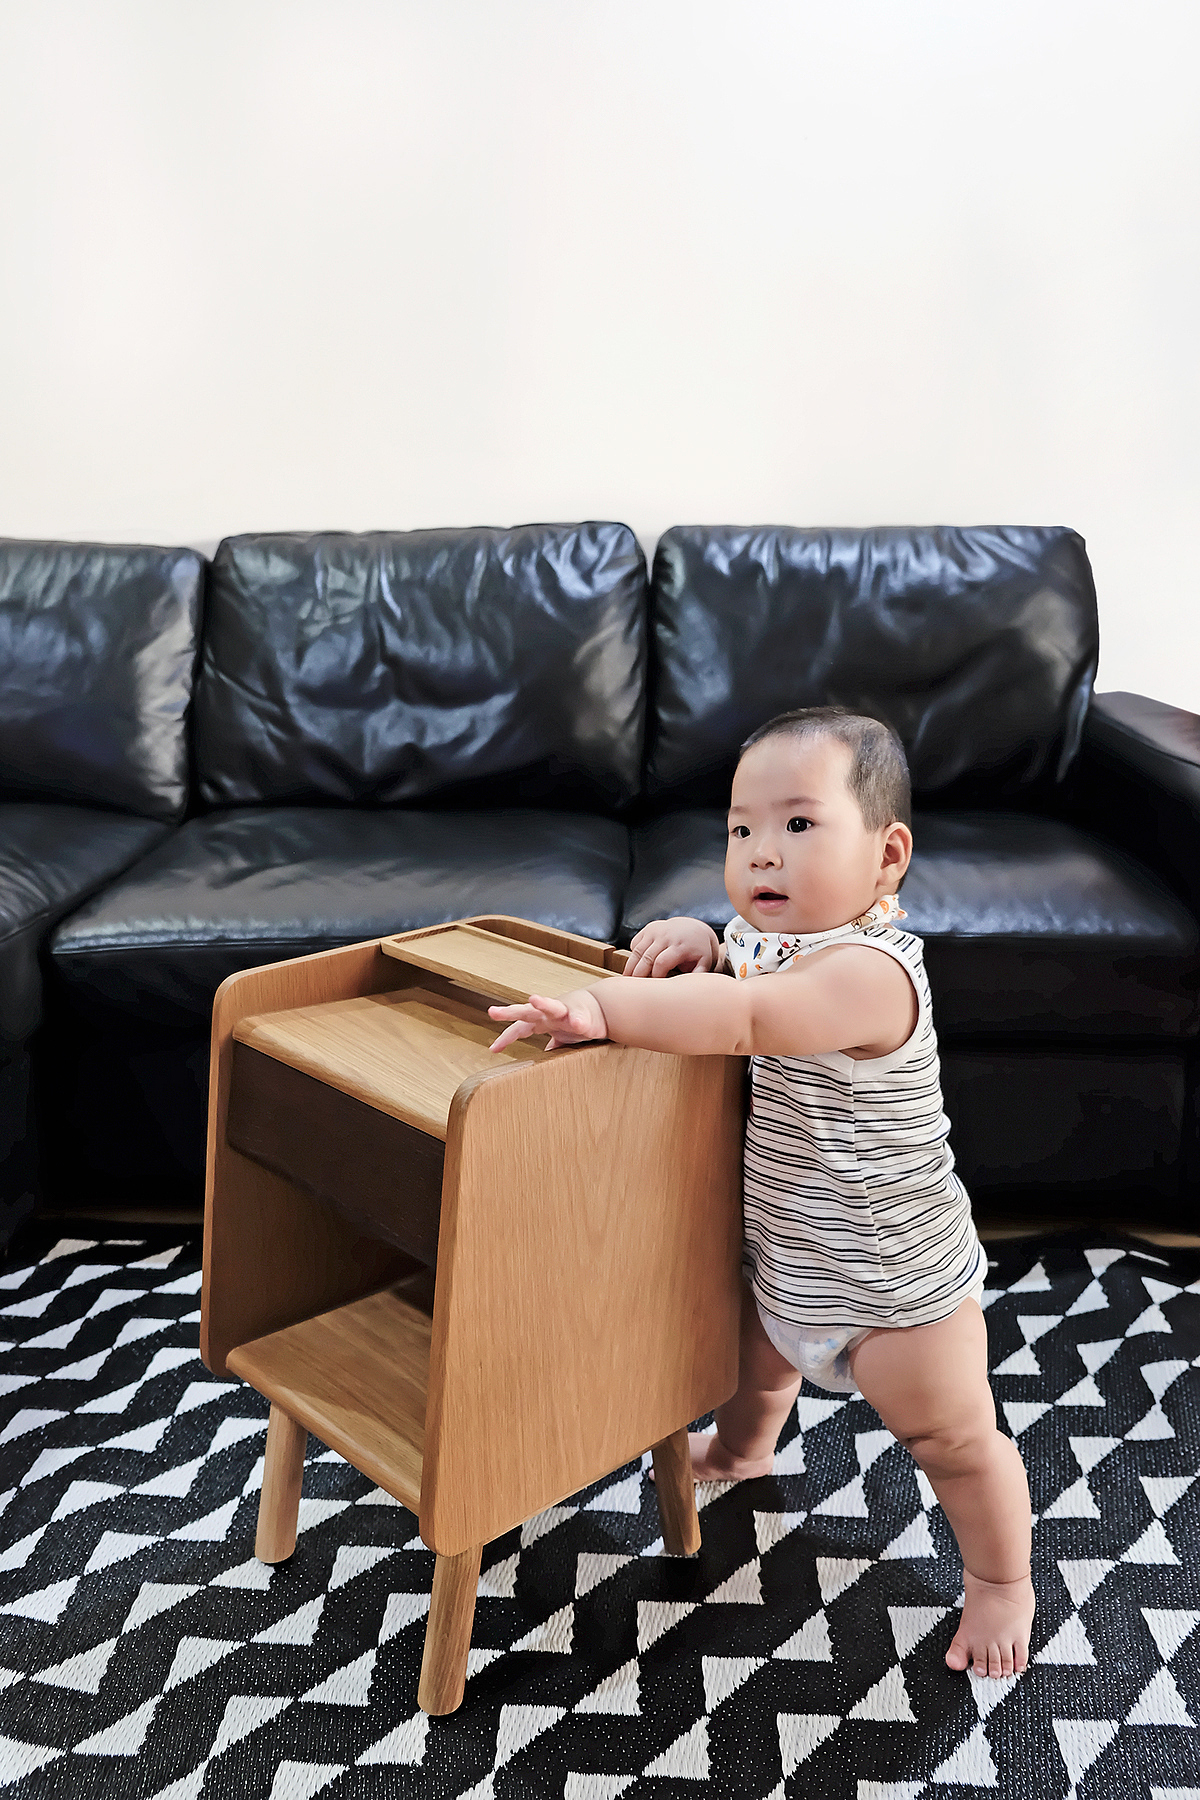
<point x="822" y="1353"/>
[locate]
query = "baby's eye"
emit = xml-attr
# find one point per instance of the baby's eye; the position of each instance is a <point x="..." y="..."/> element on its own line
<point x="798" y="824"/>
<point x="741" y="830"/>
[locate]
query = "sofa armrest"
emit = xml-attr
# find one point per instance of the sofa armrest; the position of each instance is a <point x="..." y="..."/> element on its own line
<point x="1137" y="784"/>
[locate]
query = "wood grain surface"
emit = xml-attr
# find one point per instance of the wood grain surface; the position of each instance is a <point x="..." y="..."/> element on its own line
<point x="586" y="1299"/>
<point x="489" y="964"/>
<point x="588" y="1282"/>
<point x="589" y="951"/>
<point x="406" y="1052"/>
<point x="676" y="1492"/>
<point x="357" y="1377"/>
<point x="383" y="1175"/>
<point x="255" y="1219"/>
<point x="283" y="1476"/>
<point x="272" y="1253"/>
<point x="448" y="1633"/>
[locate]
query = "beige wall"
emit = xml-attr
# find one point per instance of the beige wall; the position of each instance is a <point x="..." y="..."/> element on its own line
<point x="272" y="264"/>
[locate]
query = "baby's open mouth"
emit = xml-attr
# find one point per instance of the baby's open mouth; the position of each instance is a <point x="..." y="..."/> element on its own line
<point x="769" y="897"/>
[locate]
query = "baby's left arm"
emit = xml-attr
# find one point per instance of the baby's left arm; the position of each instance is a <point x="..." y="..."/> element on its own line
<point x="837" y="999"/>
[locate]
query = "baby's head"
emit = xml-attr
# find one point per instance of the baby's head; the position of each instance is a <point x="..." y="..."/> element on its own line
<point x="818" y="820"/>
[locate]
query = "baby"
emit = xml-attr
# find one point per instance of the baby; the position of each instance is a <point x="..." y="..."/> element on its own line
<point x="865" y="1273"/>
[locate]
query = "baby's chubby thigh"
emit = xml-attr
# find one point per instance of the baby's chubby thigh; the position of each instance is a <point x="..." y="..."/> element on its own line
<point x="929" y="1385"/>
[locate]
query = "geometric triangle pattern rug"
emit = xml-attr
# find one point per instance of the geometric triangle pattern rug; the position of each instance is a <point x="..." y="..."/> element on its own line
<point x="145" y="1652"/>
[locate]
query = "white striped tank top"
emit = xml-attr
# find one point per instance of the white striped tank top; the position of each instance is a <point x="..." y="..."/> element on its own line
<point x="853" y="1213"/>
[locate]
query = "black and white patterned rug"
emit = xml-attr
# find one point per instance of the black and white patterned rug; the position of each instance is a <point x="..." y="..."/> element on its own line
<point x="145" y="1652"/>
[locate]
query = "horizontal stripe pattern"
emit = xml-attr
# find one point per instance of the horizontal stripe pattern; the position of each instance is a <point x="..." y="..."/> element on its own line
<point x="854" y="1215"/>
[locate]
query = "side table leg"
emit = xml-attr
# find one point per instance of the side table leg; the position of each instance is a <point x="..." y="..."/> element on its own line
<point x="448" y="1632"/>
<point x="283" y="1472"/>
<point x="676" y="1495"/>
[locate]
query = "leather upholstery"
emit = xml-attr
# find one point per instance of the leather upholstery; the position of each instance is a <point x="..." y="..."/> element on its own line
<point x="349" y="683"/>
<point x="98" y="647"/>
<point x="231" y="890"/>
<point x="1031" y="926"/>
<point x="501" y="667"/>
<point x="122" y="1102"/>
<point x="1137" y="782"/>
<point x="978" y="645"/>
<point x="51" y="859"/>
<point x="19" y="1173"/>
<point x="1086" y="1130"/>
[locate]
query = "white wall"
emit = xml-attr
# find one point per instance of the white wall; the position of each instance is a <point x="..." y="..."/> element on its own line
<point x="270" y="264"/>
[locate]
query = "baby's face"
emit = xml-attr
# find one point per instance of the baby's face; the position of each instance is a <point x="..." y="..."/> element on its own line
<point x="799" y="857"/>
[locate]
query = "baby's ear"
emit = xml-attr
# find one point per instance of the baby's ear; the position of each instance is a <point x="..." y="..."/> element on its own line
<point x="897" y="848"/>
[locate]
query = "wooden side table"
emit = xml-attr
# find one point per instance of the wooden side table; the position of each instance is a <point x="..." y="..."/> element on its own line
<point x="485" y="1280"/>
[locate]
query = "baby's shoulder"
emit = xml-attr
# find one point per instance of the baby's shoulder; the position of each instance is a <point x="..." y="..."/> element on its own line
<point x="845" y="955"/>
<point x="901" y="943"/>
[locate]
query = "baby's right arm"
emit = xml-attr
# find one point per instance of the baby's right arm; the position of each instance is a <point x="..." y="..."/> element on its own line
<point x="668" y="944"/>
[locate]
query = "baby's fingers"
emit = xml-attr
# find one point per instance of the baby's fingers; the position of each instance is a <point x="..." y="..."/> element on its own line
<point x="520" y="1029"/>
<point x="529" y="1020"/>
<point x="670" y="957"/>
<point x="533" y="1008"/>
<point x="553" y="1009"/>
<point x="642" y="961"/>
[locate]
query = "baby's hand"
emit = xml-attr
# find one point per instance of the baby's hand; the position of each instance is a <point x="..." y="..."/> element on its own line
<point x="665" y="944"/>
<point x="575" y="1019"/>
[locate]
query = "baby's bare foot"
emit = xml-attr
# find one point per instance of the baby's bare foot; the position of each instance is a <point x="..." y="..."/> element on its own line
<point x="711" y="1461"/>
<point x="993" y="1638"/>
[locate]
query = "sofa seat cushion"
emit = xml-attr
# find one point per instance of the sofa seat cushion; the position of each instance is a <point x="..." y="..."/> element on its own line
<point x="257" y="885"/>
<point x="52" y="858"/>
<point x="1030" y="925"/>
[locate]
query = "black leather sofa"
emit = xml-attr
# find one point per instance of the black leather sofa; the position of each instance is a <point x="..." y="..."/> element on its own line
<point x="97" y="653"/>
<point x="391" y="729"/>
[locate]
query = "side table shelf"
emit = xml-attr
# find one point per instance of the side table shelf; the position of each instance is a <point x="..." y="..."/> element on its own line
<point x="358" y="1377"/>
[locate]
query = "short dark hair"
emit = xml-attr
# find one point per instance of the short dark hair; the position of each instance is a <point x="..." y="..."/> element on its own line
<point x="878" y="774"/>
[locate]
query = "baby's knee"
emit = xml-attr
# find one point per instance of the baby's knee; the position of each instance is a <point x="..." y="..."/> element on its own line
<point x="953" y="1447"/>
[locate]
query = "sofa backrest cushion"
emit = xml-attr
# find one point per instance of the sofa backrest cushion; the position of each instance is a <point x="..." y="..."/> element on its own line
<point x="98" y="650"/>
<point x="978" y="645"/>
<point x="395" y="667"/>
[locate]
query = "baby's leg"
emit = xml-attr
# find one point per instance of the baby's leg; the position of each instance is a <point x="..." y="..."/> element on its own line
<point x="748" y="1425"/>
<point x="929" y="1385"/>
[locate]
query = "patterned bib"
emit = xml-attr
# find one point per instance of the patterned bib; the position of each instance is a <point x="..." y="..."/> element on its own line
<point x="753" y="952"/>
